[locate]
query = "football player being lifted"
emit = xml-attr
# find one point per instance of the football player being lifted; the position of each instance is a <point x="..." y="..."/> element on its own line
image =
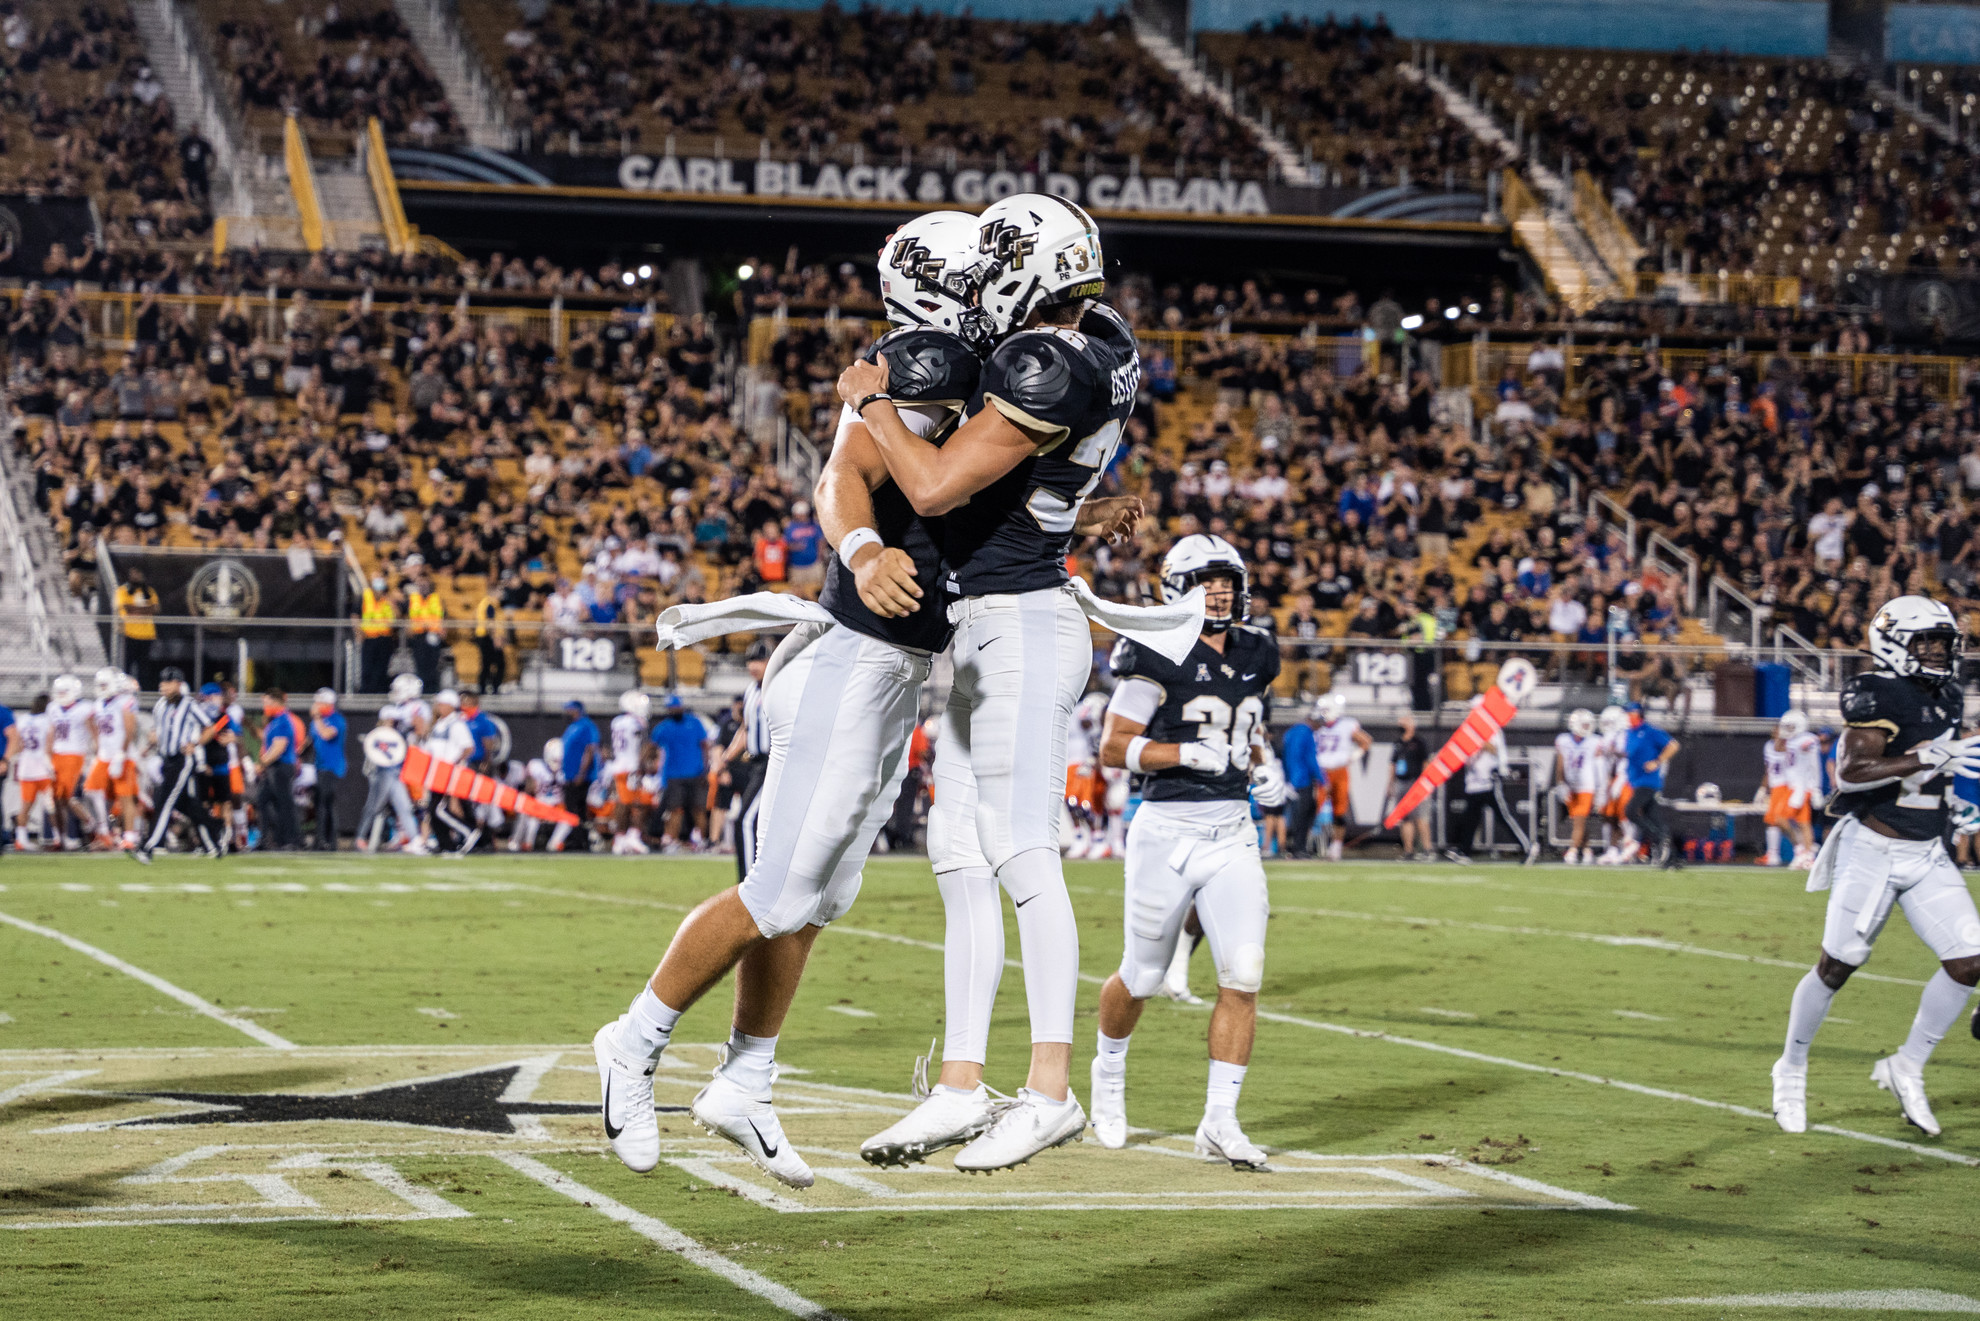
<point x="1011" y="487"/>
<point x="1900" y="750"/>
<point x="1190" y="732"/>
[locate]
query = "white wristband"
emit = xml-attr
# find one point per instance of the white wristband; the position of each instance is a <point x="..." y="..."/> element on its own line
<point x="856" y="540"/>
<point x="1137" y="746"/>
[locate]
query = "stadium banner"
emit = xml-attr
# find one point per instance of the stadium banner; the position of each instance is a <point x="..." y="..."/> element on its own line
<point x="29" y="226"/>
<point x="915" y="187"/>
<point x="1923" y="304"/>
<point x="223" y="586"/>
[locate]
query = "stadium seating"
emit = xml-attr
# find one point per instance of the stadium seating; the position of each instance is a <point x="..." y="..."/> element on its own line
<point x="1338" y="94"/>
<point x="831" y="82"/>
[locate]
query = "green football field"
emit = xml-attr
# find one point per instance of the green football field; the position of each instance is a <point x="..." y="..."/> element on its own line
<point x="328" y="1087"/>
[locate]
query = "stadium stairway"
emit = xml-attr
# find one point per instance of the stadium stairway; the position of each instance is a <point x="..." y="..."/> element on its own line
<point x="445" y="49"/>
<point x="1170" y="57"/>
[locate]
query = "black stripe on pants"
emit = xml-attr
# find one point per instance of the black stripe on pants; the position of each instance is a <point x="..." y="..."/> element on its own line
<point x="744" y="825"/>
<point x="176" y="782"/>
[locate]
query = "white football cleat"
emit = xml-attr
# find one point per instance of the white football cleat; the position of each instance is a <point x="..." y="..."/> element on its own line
<point x="1572" y="856"/>
<point x="947" y="1118"/>
<point x="1334" y="851"/>
<point x="626" y="1086"/>
<point x="416" y="848"/>
<point x="1218" y="1137"/>
<point x="1033" y="1124"/>
<point x="727" y="1111"/>
<point x="1790" y="1098"/>
<point x="1109" y="1106"/>
<point x="1890" y="1074"/>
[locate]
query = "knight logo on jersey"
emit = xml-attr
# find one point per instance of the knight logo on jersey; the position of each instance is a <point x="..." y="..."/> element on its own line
<point x="1008" y="244"/>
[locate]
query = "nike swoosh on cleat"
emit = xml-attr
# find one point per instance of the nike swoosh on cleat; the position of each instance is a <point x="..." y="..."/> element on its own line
<point x="611" y="1134"/>
<point x="768" y="1150"/>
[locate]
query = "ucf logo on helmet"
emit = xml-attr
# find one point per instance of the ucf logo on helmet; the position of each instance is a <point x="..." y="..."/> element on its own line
<point x="913" y="259"/>
<point x="1008" y="244"/>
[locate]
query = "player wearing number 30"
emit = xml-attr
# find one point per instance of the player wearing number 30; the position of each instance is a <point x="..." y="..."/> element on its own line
<point x="1894" y="782"/>
<point x="1189" y="731"/>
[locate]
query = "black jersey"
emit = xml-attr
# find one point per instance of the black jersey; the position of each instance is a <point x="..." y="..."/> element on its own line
<point x="1211" y="693"/>
<point x="1910" y="711"/>
<point x="935" y="369"/>
<point x="1078" y="385"/>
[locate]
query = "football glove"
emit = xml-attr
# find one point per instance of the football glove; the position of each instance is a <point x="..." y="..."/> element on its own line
<point x="1965" y="817"/>
<point x="1960" y="756"/>
<point x="1211" y="756"/>
<point x="1797" y="800"/>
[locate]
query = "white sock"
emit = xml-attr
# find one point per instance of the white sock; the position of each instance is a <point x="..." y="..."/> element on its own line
<point x="1805" y="1014"/>
<point x="1225" y="1082"/>
<point x="648" y="1025"/>
<point x="1048" y="936"/>
<point x="1113" y="1052"/>
<point x="99" y="806"/>
<point x="751" y="1063"/>
<point x="559" y="835"/>
<point x="1941" y="1004"/>
<point x="972" y="959"/>
<point x="955" y="1091"/>
<point x="1773" y="843"/>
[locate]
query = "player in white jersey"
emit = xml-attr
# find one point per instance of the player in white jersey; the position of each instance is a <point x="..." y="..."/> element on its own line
<point x="451" y="739"/>
<point x="71" y="720"/>
<point x="543" y="782"/>
<point x="1793" y="759"/>
<point x="112" y="784"/>
<point x="628" y="741"/>
<point x="34" y="772"/>
<point x="405" y="715"/>
<point x="1614" y="726"/>
<point x="1338" y="741"/>
<point x="1086" y="788"/>
<point x="1578" y="773"/>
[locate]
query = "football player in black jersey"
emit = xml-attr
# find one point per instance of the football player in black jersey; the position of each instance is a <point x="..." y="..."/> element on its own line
<point x="841" y="700"/>
<point x="1190" y="731"/>
<point x="1894" y="795"/>
<point x="1010" y="486"/>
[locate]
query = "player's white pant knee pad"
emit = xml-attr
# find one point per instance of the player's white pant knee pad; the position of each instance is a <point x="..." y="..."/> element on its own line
<point x="952" y="842"/>
<point x="1247" y="970"/>
<point x="1141" y="979"/>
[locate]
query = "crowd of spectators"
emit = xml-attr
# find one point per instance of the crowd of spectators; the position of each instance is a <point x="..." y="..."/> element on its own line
<point x="829" y="82"/>
<point x="1339" y="94"/>
<point x="83" y="115"/>
<point x="334" y="68"/>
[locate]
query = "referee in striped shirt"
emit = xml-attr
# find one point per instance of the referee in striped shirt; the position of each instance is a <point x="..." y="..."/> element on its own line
<point x="181" y="725"/>
<point x="749" y="754"/>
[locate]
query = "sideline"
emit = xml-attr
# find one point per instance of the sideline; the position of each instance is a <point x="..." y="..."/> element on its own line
<point x="156" y="983"/>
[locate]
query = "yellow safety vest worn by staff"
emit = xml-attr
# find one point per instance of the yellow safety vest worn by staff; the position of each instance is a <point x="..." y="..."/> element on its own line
<point x="425" y="612"/>
<point x="138" y="628"/>
<point x="378" y="615"/>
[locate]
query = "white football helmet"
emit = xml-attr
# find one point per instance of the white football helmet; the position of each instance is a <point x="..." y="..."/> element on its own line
<point x="1043" y="250"/>
<point x="1902" y="624"/>
<point x="1091" y="711"/>
<point x="1792" y="725"/>
<point x="1581" y="722"/>
<point x="1330" y="708"/>
<point x="1199" y="556"/>
<point x="1708" y="793"/>
<point x="553" y="753"/>
<point x="66" y="688"/>
<point x="406" y="688"/>
<point x="931" y="274"/>
<point x="636" y="703"/>
<point x="1613" y="720"/>
<point x="109" y="682"/>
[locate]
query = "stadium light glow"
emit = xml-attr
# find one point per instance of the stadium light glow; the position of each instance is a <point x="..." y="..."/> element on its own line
<point x="627" y="278"/>
<point x="1451" y="312"/>
<point x="745" y="271"/>
<point x="645" y="272"/>
<point x="1412" y="321"/>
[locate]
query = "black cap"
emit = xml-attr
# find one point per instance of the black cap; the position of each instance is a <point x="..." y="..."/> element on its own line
<point x="759" y="650"/>
<point x="171" y="674"/>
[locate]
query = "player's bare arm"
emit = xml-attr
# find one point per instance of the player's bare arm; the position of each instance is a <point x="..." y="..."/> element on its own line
<point x="937" y="479"/>
<point x="883" y="575"/>
<point x="1117" y="734"/>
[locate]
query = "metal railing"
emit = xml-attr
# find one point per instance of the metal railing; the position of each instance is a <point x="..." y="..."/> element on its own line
<point x="1728" y="287"/>
<point x="216" y="113"/>
<point x="1611" y="238"/>
<point x="1660" y="552"/>
<point x="1480" y="363"/>
<point x="1814" y="664"/>
<point x="1730" y="612"/>
<point x="302" y="184"/>
<point x="1601" y="506"/>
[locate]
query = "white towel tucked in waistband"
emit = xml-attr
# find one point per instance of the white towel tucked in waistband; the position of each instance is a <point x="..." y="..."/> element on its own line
<point x="684" y="625"/>
<point x="1170" y="630"/>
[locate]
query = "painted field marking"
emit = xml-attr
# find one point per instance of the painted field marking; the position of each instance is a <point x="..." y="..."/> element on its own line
<point x="155" y="982"/>
<point x="850" y="1012"/>
<point x="1445" y="1013"/>
<point x="432" y="1011"/>
<point x="1639" y="1014"/>
<point x="1851" y="1300"/>
<point x="1595" y="937"/>
<point x="42" y="1084"/>
<point x="666" y="1237"/>
<point x="1479" y="1057"/>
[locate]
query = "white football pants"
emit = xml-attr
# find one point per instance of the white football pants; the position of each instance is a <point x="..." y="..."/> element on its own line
<point x="1872" y="872"/>
<point x="1174" y="862"/>
<point x="1021" y="663"/>
<point x="840" y="707"/>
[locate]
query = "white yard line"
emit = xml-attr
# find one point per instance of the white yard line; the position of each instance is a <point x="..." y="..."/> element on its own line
<point x="666" y="1237"/>
<point x="156" y="983"/>
<point x="42" y="1084"/>
<point x="1596" y="937"/>
<point x="1957" y="1158"/>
